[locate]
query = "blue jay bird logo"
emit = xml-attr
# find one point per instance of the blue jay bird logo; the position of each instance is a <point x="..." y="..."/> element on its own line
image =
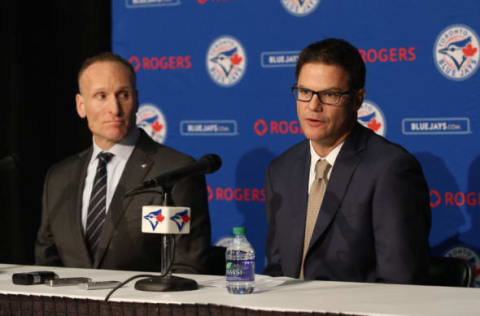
<point x="226" y="61"/>
<point x="154" y="218"/>
<point x="456" y="52"/>
<point x="180" y="219"/>
<point x="459" y="51"/>
<point x="300" y="7"/>
<point x="152" y="121"/>
<point x="370" y="115"/>
<point x="370" y="121"/>
<point x="367" y="118"/>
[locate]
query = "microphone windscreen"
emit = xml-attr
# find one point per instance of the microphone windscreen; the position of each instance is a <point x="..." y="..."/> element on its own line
<point x="213" y="162"/>
<point x="158" y="219"/>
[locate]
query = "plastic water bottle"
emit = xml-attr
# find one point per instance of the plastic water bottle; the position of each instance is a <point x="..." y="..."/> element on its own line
<point x="240" y="258"/>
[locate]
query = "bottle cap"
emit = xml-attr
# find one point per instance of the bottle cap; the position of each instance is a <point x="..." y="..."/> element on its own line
<point x="240" y="230"/>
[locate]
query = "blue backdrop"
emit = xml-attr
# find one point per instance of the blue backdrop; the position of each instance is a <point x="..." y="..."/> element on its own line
<point x="214" y="76"/>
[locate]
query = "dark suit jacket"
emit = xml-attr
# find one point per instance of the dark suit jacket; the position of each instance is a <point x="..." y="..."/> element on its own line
<point x="374" y="221"/>
<point x="60" y="239"/>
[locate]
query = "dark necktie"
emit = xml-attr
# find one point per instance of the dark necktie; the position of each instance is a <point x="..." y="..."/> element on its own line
<point x="97" y="206"/>
<point x="315" y="198"/>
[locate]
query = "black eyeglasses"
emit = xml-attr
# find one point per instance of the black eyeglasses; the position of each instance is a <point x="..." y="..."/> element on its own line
<point x="329" y="97"/>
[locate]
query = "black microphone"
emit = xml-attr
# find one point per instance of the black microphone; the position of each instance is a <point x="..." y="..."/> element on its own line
<point x="206" y="164"/>
<point x="9" y="162"/>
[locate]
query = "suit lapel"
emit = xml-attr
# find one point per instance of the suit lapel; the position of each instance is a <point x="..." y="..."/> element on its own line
<point x="137" y="167"/>
<point x="342" y="172"/>
<point x="75" y="217"/>
<point x="297" y="210"/>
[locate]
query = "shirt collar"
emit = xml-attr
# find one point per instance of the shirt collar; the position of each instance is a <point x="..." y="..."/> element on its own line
<point x="122" y="149"/>
<point x="330" y="158"/>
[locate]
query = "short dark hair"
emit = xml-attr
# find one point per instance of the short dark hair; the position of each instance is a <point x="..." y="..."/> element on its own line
<point x="334" y="51"/>
<point x="107" y="57"/>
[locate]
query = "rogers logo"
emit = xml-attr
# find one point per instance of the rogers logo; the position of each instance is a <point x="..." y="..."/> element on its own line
<point x="162" y="62"/>
<point x="236" y="194"/>
<point x="384" y="55"/>
<point x="135" y="61"/>
<point x="261" y="127"/>
<point x="454" y="198"/>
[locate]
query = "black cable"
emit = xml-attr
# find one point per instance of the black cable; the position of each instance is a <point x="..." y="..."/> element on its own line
<point x="162" y="275"/>
<point x="128" y="280"/>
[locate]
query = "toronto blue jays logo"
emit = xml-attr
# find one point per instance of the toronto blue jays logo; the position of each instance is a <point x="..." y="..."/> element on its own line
<point x="154" y="218"/>
<point x="157" y="217"/>
<point x="370" y="115"/>
<point x="152" y="121"/>
<point x="300" y="7"/>
<point x="226" y="61"/>
<point x="180" y="219"/>
<point x="456" y="52"/>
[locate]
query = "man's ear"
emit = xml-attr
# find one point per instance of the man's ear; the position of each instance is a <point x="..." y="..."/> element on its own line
<point x="136" y="100"/>
<point x="359" y="97"/>
<point x="80" y="105"/>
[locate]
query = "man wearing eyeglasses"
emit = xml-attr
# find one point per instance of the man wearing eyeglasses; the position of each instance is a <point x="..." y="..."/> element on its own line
<point x="345" y="204"/>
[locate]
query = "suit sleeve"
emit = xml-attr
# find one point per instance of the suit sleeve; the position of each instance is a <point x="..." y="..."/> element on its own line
<point x="46" y="252"/>
<point x="274" y="264"/>
<point x="401" y="222"/>
<point x="192" y="250"/>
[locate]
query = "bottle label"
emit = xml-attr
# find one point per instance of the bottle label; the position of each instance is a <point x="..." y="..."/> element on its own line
<point x="240" y="270"/>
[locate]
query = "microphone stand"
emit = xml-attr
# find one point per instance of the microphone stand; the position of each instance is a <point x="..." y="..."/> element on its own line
<point x="166" y="282"/>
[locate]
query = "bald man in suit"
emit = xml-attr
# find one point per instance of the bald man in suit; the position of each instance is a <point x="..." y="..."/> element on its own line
<point x="108" y="100"/>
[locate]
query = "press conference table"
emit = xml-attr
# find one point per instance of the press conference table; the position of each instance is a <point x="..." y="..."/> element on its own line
<point x="274" y="296"/>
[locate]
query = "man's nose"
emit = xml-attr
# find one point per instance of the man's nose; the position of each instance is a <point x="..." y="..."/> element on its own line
<point x="315" y="104"/>
<point x="114" y="105"/>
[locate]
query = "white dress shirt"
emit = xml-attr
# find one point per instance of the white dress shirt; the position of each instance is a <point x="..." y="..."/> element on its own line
<point x="331" y="157"/>
<point x="115" y="167"/>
